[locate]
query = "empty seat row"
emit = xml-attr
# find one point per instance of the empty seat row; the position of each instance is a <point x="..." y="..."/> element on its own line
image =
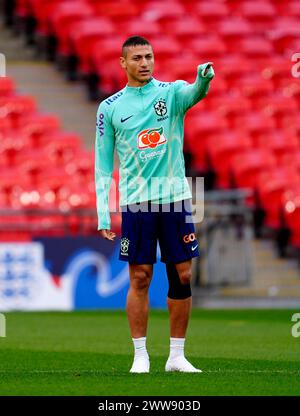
<point x="43" y="168"/>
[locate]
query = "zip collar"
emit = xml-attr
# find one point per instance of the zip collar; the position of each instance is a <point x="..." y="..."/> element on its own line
<point x="142" y="90"/>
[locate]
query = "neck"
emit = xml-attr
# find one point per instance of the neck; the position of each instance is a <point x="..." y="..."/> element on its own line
<point x="136" y="83"/>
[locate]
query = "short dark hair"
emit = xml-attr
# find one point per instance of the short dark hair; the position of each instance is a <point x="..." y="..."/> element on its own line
<point x="134" y="41"/>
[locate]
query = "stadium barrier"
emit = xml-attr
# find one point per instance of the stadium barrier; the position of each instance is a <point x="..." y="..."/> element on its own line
<point x="225" y="238"/>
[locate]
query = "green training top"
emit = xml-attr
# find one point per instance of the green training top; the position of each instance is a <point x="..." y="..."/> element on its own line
<point x="145" y="124"/>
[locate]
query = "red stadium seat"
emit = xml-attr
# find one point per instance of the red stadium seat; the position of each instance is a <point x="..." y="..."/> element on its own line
<point x="230" y="105"/>
<point x="220" y="151"/>
<point x="254" y="123"/>
<point x="165" y="48"/>
<point x="291" y="159"/>
<point x="7" y="86"/>
<point x="63" y="17"/>
<point x="162" y="12"/>
<point x="187" y="27"/>
<point x="200" y="126"/>
<point x="187" y="72"/>
<point x="49" y="194"/>
<point x="255" y="86"/>
<point x="212" y="12"/>
<point x="108" y="48"/>
<point x="49" y="218"/>
<point x="278" y="106"/>
<point x="286" y="31"/>
<point x="35" y="126"/>
<point x="10" y="189"/>
<point x="292" y="8"/>
<point x="219" y="87"/>
<point x="21" y="8"/>
<point x="84" y="199"/>
<point x="234" y="68"/>
<point x="11" y="145"/>
<point x="82" y="167"/>
<point x="206" y="48"/>
<point x="245" y="168"/>
<point x="63" y="147"/>
<point x="290" y="125"/>
<point x="232" y="30"/>
<point x="255" y="47"/>
<point x="261" y="14"/>
<point x="112" y="78"/>
<point x="84" y="35"/>
<point x="279" y="143"/>
<point x="16" y="107"/>
<point x="270" y="189"/>
<point x="55" y="177"/>
<point x="5" y="125"/>
<point x="13" y="227"/>
<point x="291" y="213"/>
<point x="11" y="180"/>
<point x="138" y="26"/>
<point x="277" y="69"/>
<point x="291" y="50"/>
<point x="32" y="162"/>
<point x="42" y="11"/>
<point x="119" y="12"/>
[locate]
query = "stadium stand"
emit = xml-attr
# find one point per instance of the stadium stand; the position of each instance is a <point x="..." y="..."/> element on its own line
<point x="248" y="129"/>
<point x="47" y="177"/>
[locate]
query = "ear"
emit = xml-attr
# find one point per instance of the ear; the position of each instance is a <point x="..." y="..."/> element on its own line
<point x="123" y="62"/>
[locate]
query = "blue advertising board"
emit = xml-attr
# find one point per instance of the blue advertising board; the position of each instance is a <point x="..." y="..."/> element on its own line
<point x="69" y="273"/>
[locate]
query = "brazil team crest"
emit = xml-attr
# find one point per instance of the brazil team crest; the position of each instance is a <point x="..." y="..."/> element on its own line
<point x="124" y="246"/>
<point x="160" y="107"/>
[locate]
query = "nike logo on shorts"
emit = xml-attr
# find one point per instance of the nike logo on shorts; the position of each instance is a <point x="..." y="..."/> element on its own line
<point x="124" y="119"/>
<point x="194" y="247"/>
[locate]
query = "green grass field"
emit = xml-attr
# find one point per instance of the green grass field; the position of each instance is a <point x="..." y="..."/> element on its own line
<point x="89" y="353"/>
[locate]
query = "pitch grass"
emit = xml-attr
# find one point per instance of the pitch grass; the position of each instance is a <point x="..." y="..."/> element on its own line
<point x="89" y="353"/>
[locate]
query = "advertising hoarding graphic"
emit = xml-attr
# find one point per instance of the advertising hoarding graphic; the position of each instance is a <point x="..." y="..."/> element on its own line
<point x="69" y="273"/>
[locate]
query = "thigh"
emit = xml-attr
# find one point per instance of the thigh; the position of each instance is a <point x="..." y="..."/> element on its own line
<point x="177" y="237"/>
<point x="139" y="237"/>
<point x="184" y="267"/>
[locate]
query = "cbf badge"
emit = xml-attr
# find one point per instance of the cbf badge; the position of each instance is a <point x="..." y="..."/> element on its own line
<point x="160" y="107"/>
<point x="124" y="246"/>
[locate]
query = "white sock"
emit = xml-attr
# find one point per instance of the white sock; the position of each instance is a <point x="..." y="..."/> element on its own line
<point x="176" y="348"/>
<point x="140" y="349"/>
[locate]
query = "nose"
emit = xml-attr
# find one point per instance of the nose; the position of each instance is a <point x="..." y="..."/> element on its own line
<point x="144" y="62"/>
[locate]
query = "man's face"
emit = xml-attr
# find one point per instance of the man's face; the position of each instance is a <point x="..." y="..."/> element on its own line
<point x="138" y="63"/>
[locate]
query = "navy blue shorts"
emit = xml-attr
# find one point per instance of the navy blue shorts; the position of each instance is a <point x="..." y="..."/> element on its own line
<point x="150" y="223"/>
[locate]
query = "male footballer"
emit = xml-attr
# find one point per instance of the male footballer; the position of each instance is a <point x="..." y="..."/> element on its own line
<point x="144" y="122"/>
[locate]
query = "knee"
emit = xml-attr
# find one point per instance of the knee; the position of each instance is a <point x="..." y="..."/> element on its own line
<point x="178" y="289"/>
<point x="140" y="279"/>
<point x="185" y="276"/>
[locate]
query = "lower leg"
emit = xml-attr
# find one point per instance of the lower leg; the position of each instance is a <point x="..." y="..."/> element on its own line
<point x="179" y="312"/>
<point x="137" y="312"/>
<point x="179" y="306"/>
<point x="179" y="299"/>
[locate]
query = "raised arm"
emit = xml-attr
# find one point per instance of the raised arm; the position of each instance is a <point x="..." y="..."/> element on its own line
<point x="187" y="94"/>
<point x="104" y="161"/>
